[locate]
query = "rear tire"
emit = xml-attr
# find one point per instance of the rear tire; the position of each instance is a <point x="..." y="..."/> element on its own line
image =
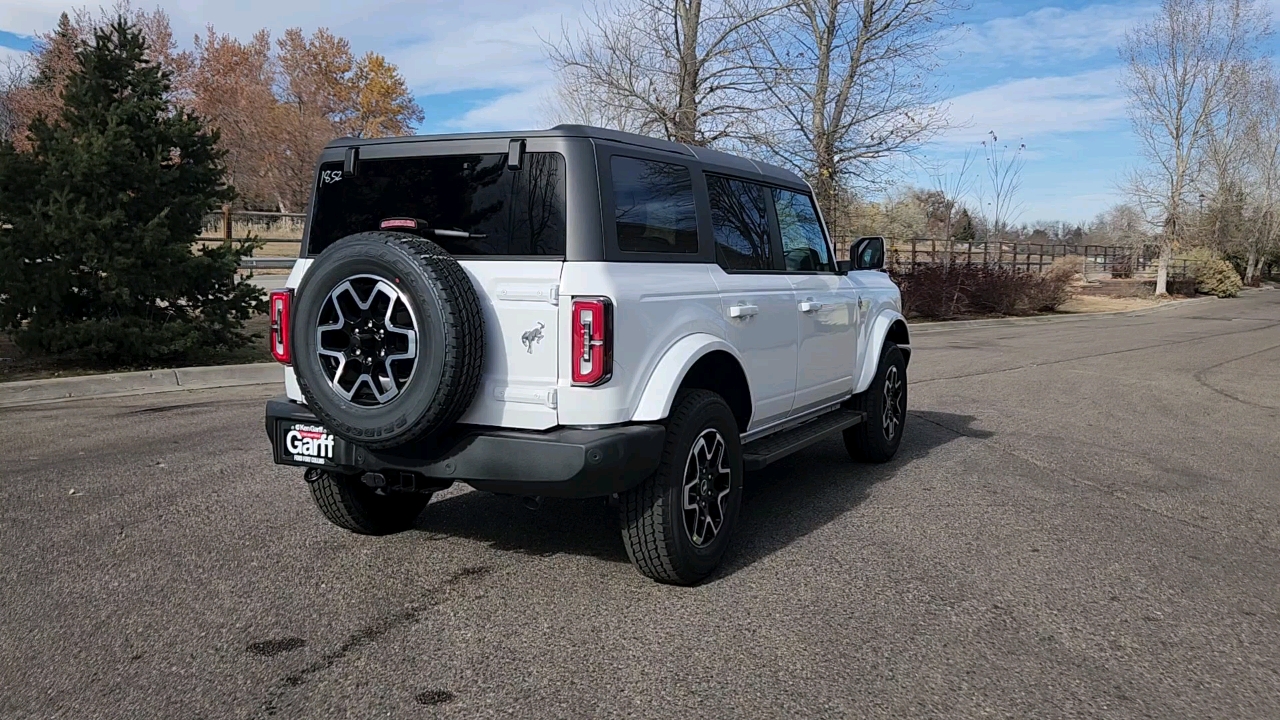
<point x="677" y="524"/>
<point x="877" y="438"/>
<point x="354" y="506"/>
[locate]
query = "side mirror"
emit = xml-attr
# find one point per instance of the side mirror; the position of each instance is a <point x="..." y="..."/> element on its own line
<point x="867" y="253"/>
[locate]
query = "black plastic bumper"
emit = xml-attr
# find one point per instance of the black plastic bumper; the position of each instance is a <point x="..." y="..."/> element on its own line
<point x="564" y="462"/>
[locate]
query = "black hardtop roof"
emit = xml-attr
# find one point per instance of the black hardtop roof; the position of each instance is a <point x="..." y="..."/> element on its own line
<point x="702" y="154"/>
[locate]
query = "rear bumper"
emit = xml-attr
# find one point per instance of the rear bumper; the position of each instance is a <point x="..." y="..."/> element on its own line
<point x="565" y="462"/>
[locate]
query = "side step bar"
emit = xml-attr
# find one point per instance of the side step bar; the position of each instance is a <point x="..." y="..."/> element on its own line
<point x="771" y="448"/>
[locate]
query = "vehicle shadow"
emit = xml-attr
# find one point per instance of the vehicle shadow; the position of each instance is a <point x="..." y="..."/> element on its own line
<point x="781" y="503"/>
<point x="800" y="494"/>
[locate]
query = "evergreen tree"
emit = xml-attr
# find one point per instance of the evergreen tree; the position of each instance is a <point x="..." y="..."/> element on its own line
<point x="98" y="221"/>
<point x="963" y="232"/>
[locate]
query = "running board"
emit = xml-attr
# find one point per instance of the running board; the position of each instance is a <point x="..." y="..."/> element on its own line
<point x="771" y="448"/>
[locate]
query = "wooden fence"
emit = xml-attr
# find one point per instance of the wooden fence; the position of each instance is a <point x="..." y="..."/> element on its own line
<point x="1111" y="260"/>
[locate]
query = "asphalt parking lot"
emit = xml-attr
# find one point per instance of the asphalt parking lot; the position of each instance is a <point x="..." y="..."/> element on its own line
<point x="1084" y="521"/>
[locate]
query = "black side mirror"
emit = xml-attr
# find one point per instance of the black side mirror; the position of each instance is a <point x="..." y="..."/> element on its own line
<point x="867" y="253"/>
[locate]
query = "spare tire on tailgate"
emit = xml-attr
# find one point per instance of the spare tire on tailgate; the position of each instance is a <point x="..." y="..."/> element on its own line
<point x="388" y="338"/>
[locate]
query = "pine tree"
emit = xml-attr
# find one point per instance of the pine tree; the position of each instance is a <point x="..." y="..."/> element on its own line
<point x="98" y="221"/>
<point x="963" y="232"/>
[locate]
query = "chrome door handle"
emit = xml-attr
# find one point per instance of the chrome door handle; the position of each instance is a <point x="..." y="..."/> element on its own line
<point x="809" y="306"/>
<point x="743" y="311"/>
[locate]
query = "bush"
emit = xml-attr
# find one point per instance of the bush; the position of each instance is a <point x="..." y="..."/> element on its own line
<point x="99" y="219"/>
<point x="1122" y="268"/>
<point x="1214" y="275"/>
<point x="1066" y="269"/>
<point x="943" y="292"/>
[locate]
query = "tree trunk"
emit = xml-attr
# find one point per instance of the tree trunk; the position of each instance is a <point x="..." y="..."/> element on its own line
<point x="1162" y="274"/>
<point x="684" y="127"/>
<point x="1251" y="266"/>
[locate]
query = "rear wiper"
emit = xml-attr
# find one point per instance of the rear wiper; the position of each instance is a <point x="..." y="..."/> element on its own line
<point x="421" y="227"/>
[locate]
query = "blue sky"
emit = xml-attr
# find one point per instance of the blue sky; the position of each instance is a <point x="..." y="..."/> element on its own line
<point x="1043" y="73"/>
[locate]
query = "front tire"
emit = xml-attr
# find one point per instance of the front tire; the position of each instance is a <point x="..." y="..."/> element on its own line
<point x="354" y="506"/>
<point x="877" y="438"/>
<point x="677" y="523"/>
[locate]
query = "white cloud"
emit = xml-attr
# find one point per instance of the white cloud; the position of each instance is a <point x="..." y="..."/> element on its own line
<point x="1040" y="106"/>
<point x="7" y="54"/>
<point x="1054" y="34"/>
<point x="488" y="54"/>
<point x="519" y="110"/>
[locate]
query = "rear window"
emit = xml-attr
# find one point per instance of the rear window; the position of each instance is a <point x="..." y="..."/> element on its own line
<point x="653" y="202"/>
<point x="508" y="213"/>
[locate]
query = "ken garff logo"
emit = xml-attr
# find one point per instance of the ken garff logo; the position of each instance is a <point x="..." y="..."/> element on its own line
<point x="532" y="336"/>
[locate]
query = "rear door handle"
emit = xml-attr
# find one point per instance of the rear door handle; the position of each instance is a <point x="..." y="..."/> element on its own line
<point x="809" y="306"/>
<point x="743" y="311"/>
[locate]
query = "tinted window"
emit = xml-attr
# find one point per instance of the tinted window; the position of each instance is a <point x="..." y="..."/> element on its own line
<point x="509" y="213"/>
<point x="740" y="220"/>
<point x="654" y="206"/>
<point x="803" y="244"/>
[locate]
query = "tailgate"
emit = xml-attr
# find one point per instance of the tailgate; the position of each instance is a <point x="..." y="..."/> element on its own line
<point x="520" y="301"/>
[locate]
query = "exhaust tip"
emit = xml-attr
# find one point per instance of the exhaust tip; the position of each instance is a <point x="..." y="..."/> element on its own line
<point x="532" y="502"/>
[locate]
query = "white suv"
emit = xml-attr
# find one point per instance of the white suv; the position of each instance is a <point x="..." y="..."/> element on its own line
<point x="575" y="312"/>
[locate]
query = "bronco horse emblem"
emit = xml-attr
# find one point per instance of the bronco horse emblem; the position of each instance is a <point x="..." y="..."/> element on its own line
<point x="532" y="336"/>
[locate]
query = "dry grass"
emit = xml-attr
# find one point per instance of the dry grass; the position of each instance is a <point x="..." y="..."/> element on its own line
<point x="1103" y="303"/>
<point x="285" y="229"/>
<point x="269" y="249"/>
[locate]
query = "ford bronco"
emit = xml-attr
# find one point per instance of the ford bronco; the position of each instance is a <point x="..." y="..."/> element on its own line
<point x="575" y="312"/>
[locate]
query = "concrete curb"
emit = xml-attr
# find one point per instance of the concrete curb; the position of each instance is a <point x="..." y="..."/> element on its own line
<point x="943" y="325"/>
<point x="39" y="392"/>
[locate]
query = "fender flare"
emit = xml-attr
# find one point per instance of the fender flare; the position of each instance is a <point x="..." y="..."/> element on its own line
<point x="660" y="389"/>
<point x="871" y="359"/>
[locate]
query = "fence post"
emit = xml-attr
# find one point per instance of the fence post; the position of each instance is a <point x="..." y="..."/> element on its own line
<point x="226" y="222"/>
<point x="913" y="254"/>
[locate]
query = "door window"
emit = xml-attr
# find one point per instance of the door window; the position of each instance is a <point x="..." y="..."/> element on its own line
<point x="740" y="222"/>
<point x="803" y="243"/>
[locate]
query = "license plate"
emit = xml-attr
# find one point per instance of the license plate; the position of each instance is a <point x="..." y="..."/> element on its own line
<point x="305" y="444"/>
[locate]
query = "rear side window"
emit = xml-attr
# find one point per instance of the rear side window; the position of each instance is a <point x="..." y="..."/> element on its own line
<point x="803" y="244"/>
<point x="508" y="213"/>
<point x="740" y="222"/>
<point x="654" y="207"/>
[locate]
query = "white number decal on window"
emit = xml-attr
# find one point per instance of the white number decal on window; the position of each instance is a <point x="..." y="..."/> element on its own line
<point x="328" y="177"/>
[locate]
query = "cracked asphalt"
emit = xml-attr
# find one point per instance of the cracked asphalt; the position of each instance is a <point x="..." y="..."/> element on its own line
<point x="1084" y="521"/>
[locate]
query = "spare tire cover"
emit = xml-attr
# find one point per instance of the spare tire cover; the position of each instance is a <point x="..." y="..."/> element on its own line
<point x="387" y="338"/>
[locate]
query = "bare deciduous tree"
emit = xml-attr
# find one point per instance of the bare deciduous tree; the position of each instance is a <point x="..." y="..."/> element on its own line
<point x="953" y="183"/>
<point x="1261" y="141"/>
<point x="849" y="84"/>
<point x="668" y="68"/>
<point x="1180" y="66"/>
<point x="999" y="196"/>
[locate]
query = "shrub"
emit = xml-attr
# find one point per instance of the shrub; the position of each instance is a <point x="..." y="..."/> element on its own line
<point x="98" y="221"/>
<point x="1213" y="275"/>
<point x="942" y="291"/>
<point x="1066" y="268"/>
<point x="1122" y="268"/>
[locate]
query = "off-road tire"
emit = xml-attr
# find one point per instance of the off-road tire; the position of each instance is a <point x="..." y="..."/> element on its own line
<point x="451" y="340"/>
<point x="348" y="503"/>
<point x="867" y="441"/>
<point x="652" y="518"/>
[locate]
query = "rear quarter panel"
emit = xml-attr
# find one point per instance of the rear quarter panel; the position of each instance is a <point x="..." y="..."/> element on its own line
<point x="655" y="305"/>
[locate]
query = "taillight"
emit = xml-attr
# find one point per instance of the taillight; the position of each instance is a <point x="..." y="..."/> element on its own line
<point x="592" y="352"/>
<point x="278" y="311"/>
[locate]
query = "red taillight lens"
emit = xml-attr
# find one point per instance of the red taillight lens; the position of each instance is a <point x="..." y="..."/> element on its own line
<point x="278" y="311"/>
<point x="592" y="352"/>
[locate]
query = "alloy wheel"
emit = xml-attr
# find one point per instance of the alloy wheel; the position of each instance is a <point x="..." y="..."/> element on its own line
<point x="367" y="340"/>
